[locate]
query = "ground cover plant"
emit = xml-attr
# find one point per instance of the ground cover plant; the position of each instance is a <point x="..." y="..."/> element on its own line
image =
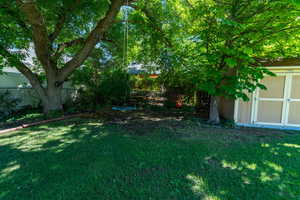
<point x="173" y="158"/>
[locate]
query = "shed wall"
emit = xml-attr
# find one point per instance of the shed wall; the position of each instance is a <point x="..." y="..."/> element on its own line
<point x="244" y="109"/>
<point x="226" y="108"/>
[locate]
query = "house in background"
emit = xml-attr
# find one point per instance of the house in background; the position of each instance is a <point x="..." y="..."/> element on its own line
<point x="18" y="86"/>
<point x="276" y="107"/>
<point x="140" y="70"/>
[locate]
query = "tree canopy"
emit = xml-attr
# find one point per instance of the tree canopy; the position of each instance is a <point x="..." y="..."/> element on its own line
<point x="213" y="45"/>
<point x="218" y="45"/>
<point x="63" y="34"/>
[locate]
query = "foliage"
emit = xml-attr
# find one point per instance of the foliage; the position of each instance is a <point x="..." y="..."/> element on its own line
<point x="79" y="16"/>
<point x="84" y="159"/>
<point x="48" y="40"/>
<point x="146" y="82"/>
<point x="217" y="46"/>
<point x="234" y="36"/>
<point x="110" y="86"/>
<point x="8" y="104"/>
<point x="116" y="86"/>
<point x="214" y="46"/>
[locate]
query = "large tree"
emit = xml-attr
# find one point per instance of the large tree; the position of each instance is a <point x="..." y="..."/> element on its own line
<point x="236" y="35"/>
<point x="217" y="45"/>
<point x="62" y="33"/>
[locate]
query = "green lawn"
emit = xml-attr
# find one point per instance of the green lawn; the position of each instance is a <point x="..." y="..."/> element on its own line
<point x="84" y="159"/>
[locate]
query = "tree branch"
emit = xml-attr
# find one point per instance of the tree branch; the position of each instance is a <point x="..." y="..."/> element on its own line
<point x="16" y="17"/>
<point x="63" y="46"/>
<point x="189" y="4"/>
<point x="94" y="37"/>
<point x="39" y="32"/>
<point x="130" y="2"/>
<point x="21" y="67"/>
<point x="62" y="20"/>
<point x="78" y="41"/>
<point x="264" y="37"/>
<point x="154" y="24"/>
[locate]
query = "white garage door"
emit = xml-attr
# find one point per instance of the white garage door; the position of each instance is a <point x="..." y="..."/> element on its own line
<point x="293" y="105"/>
<point x="280" y="103"/>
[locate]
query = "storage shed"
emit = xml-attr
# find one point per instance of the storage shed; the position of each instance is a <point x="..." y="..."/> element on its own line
<point x="276" y="107"/>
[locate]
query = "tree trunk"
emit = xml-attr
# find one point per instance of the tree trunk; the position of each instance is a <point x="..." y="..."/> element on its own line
<point x="214" y="116"/>
<point x="53" y="100"/>
<point x="48" y="57"/>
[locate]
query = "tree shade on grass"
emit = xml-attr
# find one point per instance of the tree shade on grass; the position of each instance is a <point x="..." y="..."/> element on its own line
<point x="90" y="160"/>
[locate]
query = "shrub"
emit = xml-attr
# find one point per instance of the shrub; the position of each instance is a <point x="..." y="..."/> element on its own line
<point x="111" y="86"/>
<point x="115" y="87"/>
<point x="8" y="103"/>
<point x="145" y="82"/>
<point x="178" y="88"/>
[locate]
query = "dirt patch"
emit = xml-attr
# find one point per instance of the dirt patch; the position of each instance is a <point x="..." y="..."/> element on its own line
<point x="181" y="123"/>
<point x="185" y="125"/>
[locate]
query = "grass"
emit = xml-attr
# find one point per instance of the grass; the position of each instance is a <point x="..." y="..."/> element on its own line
<point x="86" y="159"/>
<point x="25" y="116"/>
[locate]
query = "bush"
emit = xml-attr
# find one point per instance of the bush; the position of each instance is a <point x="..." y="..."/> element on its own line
<point x="179" y="90"/>
<point x="145" y="82"/>
<point x="115" y="87"/>
<point x="112" y="86"/>
<point x="8" y="104"/>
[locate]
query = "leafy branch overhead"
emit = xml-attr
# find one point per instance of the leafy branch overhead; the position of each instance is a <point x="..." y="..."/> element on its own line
<point x="51" y="30"/>
<point x="212" y="45"/>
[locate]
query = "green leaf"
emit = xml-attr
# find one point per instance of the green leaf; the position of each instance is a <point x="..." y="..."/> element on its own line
<point x="296" y="2"/>
<point x="248" y="50"/>
<point x="231" y="62"/>
<point x="261" y="86"/>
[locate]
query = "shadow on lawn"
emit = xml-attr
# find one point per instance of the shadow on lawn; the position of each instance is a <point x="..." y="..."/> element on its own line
<point x="92" y="161"/>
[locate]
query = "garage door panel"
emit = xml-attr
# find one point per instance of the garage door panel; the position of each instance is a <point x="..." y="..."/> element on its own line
<point x="244" y="114"/>
<point x="269" y="111"/>
<point x="275" y="87"/>
<point x="294" y="113"/>
<point x="277" y="106"/>
<point x="295" y="93"/>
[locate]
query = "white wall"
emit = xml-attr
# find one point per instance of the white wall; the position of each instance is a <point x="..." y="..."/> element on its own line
<point x="19" y="87"/>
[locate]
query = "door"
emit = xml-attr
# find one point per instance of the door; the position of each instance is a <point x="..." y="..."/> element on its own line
<point x="280" y="103"/>
<point x="293" y="101"/>
<point x="270" y="104"/>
